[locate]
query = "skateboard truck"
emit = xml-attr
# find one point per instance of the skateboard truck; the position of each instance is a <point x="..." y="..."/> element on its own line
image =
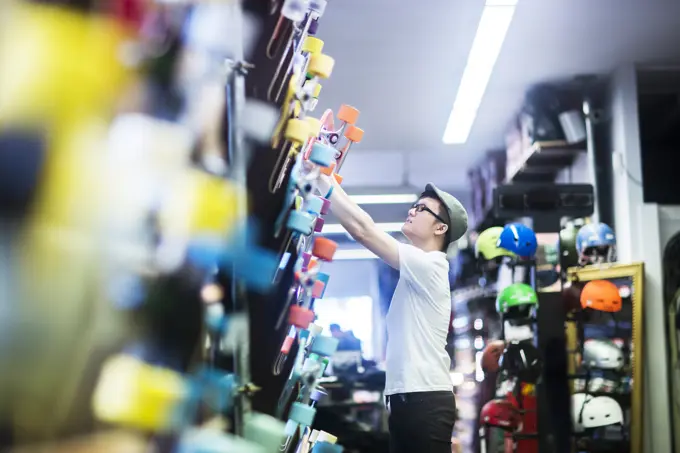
<point x="237" y="67"/>
<point x="249" y="389"/>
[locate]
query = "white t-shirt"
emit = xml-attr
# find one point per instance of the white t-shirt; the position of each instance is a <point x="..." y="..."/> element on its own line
<point x="418" y="324"/>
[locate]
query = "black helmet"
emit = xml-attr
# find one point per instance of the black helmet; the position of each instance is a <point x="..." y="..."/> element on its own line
<point x="521" y="360"/>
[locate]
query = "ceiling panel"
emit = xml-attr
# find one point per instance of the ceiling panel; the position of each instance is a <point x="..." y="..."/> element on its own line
<point x="401" y="67"/>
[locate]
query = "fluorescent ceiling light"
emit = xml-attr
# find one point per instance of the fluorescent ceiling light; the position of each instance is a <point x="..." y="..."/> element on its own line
<point x="354" y="254"/>
<point x="336" y="228"/>
<point x="493" y="26"/>
<point x="396" y="198"/>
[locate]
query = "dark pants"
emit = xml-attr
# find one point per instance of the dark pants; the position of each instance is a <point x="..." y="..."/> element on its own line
<point x="421" y="422"/>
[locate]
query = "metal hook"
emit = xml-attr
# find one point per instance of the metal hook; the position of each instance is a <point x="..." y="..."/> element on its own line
<point x="274" y="177"/>
<point x="280" y="361"/>
<point x="270" y="51"/>
<point x="277" y="73"/>
<point x="291" y="294"/>
<point x="286" y="444"/>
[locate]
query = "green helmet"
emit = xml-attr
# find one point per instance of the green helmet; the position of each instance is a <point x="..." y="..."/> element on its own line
<point x="486" y="245"/>
<point x="566" y="245"/>
<point x="516" y="301"/>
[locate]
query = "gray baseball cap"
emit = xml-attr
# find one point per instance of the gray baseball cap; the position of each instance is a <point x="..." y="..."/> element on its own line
<point x="458" y="217"/>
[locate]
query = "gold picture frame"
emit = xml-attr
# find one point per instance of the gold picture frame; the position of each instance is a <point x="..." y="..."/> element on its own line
<point x="634" y="271"/>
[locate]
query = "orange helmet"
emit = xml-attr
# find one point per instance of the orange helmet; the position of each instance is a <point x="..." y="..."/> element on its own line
<point x="601" y="295"/>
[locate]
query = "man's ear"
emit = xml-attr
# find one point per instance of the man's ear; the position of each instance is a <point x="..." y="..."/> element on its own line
<point x="442" y="228"/>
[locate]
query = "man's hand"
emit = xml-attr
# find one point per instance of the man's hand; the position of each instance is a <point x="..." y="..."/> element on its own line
<point x="324" y="184"/>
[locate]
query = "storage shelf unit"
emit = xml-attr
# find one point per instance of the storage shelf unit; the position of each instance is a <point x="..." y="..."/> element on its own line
<point x="542" y="161"/>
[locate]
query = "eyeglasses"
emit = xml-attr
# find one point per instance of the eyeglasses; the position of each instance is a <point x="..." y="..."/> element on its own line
<point x="419" y="207"/>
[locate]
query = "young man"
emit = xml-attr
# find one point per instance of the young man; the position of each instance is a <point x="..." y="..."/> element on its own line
<point x="418" y="388"/>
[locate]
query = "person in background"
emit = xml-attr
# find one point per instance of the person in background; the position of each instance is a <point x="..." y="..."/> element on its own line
<point x="418" y="387"/>
<point x="348" y="342"/>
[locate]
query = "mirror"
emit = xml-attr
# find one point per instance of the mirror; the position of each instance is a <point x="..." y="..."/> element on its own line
<point x="604" y="335"/>
<point x="674" y="334"/>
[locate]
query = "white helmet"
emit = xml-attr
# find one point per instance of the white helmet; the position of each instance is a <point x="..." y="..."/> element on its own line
<point x="602" y="354"/>
<point x="590" y="412"/>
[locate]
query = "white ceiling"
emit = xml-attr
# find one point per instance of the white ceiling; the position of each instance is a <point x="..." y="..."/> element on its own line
<point x="401" y="67"/>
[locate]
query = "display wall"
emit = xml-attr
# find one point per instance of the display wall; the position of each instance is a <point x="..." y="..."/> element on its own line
<point x="642" y="231"/>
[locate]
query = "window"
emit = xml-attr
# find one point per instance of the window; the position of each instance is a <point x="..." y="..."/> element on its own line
<point x="352" y="313"/>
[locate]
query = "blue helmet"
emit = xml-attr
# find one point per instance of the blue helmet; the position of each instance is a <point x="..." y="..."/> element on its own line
<point x="594" y="235"/>
<point x="519" y="239"/>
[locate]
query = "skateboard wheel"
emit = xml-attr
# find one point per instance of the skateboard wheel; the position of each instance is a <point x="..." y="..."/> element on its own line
<point x="264" y="430"/>
<point x="312" y="45"/>
<point x="294" y="10"/>
<point x="314" y="126"/>
<point x="348" y="114"/>
<point x="353" y="133"/>
<point x="313" y="262"/>
<point x="302" y="414"/>
<point x="328" y="170"/>
<point x="318" y="6"/>
<point x="300" y="317"/>
<point x="317" y="90"/>
<point x="299" y="201"/>
<point x="297" y="131"/>
<point x="338" y="178"/>
<point x="323" y="277"/>
<point x="287" y="344"/>
<point x="317" y="289"/>
<point x="255" y="267"/>
<point x="318" y="225"/>
<point x="218" y="393"/>
<point x="323" y="436"/>
<point x="315" y="329"/>
<point x="300" y="222"/>
<point x="324" y="248"/>
<point x="314" y="205"/>
<point x="325" y="346"/>
<point x="321" y="65"/>
<point x="326" y="206"/>
<point x="134" y="394"/>
<point x="327" y="447"/>
<point x="322" y="155"/>
<point x="215" y="208"/>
